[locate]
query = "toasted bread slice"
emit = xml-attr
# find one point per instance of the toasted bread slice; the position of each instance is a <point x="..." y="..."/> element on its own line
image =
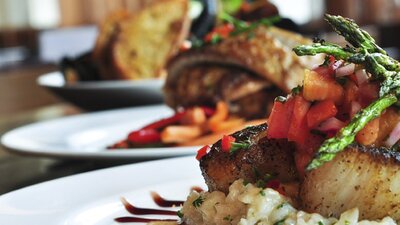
<point x="101" y="54"/>
<point x="147" y="40"/>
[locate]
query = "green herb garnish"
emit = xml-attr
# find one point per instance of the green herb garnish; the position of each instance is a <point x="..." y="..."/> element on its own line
<point x="179" y="214"/>
<point x="197" y="203"/>
<point x="281" y="205"/>
<point x="235" y="146"/>
<point x="262" y="193"/>
<point x="280" y="222"/>
<point x="228" y="218"/>
<point x="297" y="90"/>
<point x="320" y="223"/>
<point x="366" y="52"/>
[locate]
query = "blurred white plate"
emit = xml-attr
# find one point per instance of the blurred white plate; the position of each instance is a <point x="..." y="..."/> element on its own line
<point x="100" y="95"/>
<point x="93" y="198"/>
<point x="88" y="135"/>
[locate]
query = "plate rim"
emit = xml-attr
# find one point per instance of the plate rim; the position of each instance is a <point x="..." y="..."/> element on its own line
<point x="82" y="181"/>
<point x="7" y="141"/>
<point x="108" y="84"/>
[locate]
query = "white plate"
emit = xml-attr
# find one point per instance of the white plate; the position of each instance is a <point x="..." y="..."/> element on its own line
<point x="100" y="95"/>
<point x="93" y="198"/>
<point x="88" y="135"/>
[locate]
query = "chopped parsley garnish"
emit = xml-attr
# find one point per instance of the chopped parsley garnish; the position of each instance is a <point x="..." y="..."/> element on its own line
<point x="282" y="205"/>
<point x="280" y="222"/>
<point x="215" y="39"/>
<point x="297" y="90"/>
<point x="239" y="145"/>
<point x="262" y="193"/>
<point x="179" y="214"/>
<point x="228" y="218"/>
<point x="320" y="223"/>
<point x="346" y="222"/>
<point x="197" y="203"/>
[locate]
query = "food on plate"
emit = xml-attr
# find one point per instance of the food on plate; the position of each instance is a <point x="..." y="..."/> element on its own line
<point x="262" y="156"/>
<point x="188" y="127"/>
<point x="245" y="64"/>
<point x="337" y="159"/>
<point x="137" y="46"/>
<point x="236" y="76"/>
<point x="248" y="204"/>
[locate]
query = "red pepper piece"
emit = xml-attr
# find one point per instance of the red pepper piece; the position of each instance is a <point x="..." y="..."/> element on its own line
<point x="158" y="125"/>
<point x="319" y="112"/>
<point x="144" y="136"/>
<point x="226" y="143"/>
<point x="276" y="185"/>
<point x="202" y="152"/>
<point x="223" y="31"/>
<point x="208" y="111"/>
<point x="298" y="130"/>
<point x="279" y="119"/>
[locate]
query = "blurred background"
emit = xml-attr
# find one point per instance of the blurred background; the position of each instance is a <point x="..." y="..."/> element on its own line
<point x="36" y="34"/>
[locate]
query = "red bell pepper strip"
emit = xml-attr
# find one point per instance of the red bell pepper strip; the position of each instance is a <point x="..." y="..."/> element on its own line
<point x="226" y="143"/>
<point x="202" y="152"/>
<point x="208" y="111"/>
<point x="144" y="136"/>
<point x="158" y="125"/>
<point x="319" y="112"/>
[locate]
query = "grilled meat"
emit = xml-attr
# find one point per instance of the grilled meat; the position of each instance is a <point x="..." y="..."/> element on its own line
<point x="205" y="85"/>
<point x="220" y="169"/>
<point x="251" y="65"/>
<point x="363" y="177"/>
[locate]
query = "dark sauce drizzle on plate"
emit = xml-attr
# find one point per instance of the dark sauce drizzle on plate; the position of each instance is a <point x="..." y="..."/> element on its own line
<point x="160" y="201"/>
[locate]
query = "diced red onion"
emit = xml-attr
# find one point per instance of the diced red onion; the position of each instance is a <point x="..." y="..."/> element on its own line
<point x="394" y="136"/>
<point x="362" y="76"/>
<point x="334" y="66"/>
<point x="345" y="70"/>
<point x="331" y="124"/>
<point x="355" y="108"/>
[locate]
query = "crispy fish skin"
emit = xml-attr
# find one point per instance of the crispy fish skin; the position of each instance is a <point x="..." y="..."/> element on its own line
<point x="220" y="169"/>
<point x="364" y="177"/>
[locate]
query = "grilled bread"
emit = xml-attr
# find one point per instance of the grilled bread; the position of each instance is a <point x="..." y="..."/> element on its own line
<point x="148" y="39"/>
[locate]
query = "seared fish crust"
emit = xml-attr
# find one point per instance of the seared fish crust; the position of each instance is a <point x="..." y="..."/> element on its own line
<point x="220" y="169"/>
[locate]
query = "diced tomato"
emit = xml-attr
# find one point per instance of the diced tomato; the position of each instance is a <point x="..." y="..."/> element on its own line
<point x="350" y="96"/>
<point x="311" y="145"/>
<point x="226" y="143"/>
<point x="323" y="71"/>
<point x="144" y="136"/>
<point x="318" y="88"/>
<point x="302" y="160"/>
<point x="369" y="134"/>
<point x="276" y="185"/>
<point x="223" y="31"/>
<point x="368" y="92"/>
<point x="298" y="129"/>
<point x="202" y="152"/>
<point x="320" y="111"/>
<point x="279" y="119"/>
<point x="387" y="122"/>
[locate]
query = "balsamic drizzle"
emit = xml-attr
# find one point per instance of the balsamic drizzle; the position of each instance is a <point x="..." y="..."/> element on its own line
<point x="160" y="201"/>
